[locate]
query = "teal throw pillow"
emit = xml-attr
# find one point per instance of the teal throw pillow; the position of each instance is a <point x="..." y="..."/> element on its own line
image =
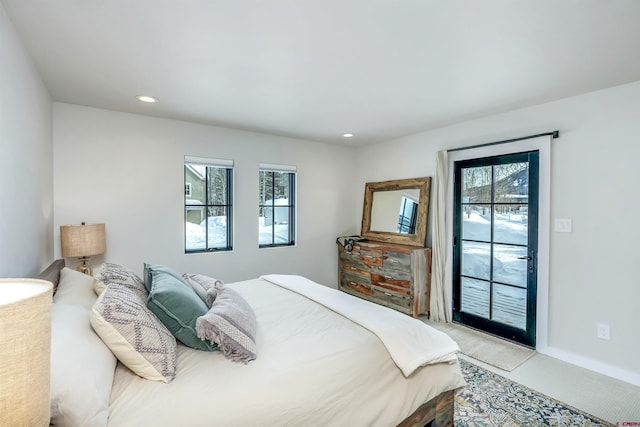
<point x="177" y="306"/>
<point x="150" y="268"/>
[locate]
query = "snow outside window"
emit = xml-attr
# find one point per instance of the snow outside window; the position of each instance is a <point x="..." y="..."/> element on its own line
<point x="208" y="204"/>
<point x="276" y="211"/>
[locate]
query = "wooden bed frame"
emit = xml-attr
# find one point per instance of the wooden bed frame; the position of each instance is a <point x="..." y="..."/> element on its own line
<point x="437" y="412"/>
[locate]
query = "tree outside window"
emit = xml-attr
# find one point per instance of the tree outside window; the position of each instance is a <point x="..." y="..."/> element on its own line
<point x="208" y="204"/>
<point x="276" y="207"/>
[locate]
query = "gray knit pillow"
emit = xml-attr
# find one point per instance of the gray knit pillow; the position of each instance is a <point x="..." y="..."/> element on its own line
<point x="121" y="275"/>
<point x="201" y="284"/>
<point x="134" y="334"/>
<point x="230" y="323"/>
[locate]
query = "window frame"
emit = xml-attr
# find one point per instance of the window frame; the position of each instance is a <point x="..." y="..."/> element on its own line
<point x="228" y="165"/>
<point x="291" y="205"/>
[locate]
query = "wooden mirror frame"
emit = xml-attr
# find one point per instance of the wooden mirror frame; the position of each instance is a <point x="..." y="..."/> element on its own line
<point x="420" y="236"/>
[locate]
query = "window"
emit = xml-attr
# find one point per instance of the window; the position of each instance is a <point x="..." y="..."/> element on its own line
<point x="208" y="206"/>
<point x="408" y="216"/>
<point x="276" y="213"/>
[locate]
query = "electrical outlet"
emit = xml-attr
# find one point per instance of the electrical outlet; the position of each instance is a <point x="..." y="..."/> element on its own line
<point x="604" y="331"/>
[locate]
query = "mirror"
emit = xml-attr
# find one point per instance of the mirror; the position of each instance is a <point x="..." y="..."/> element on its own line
<point x="396" y="211"/>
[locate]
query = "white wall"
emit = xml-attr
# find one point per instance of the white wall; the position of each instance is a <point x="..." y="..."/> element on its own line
<point x="594" y="181"/>
<point x="26" y="189"/>
<point x="127" y="171"/>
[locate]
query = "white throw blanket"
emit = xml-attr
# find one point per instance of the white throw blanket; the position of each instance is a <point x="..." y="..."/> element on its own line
<point x="410" y="342"/>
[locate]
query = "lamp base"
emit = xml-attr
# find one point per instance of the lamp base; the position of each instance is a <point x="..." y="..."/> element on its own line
<point x="85" y="266"/>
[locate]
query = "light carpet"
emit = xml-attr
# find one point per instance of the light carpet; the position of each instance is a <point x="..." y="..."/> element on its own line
<point x="484" y="347"/>
<point x="492" y="400"/>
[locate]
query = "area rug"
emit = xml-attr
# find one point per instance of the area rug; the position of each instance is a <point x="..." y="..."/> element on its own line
<point x="484" y="347"/>
<point x="492" y="400"/>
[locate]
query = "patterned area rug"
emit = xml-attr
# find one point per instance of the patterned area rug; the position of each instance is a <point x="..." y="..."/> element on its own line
<point x="492" y="400"/>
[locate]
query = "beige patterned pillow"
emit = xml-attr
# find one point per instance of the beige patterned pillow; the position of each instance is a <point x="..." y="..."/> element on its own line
<point x="120" y="275"/>
<point x="134" y="334"/>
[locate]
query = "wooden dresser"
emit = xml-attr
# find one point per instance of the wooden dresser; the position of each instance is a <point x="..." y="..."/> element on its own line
<point x="396" y="276"/>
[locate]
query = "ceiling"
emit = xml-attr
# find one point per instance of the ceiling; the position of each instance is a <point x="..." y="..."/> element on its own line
<point x="316" y="69"/>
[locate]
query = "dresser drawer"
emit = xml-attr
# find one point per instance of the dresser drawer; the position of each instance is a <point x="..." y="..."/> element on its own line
<point x="395" y="285"/>
<point x="355" y="283"/>
<point x="396" y="260"/>
<point x="372" y="258"/>
<point x="390" y="299"/>
<point x="392" y="274"/>
<point x="362" y="256"/>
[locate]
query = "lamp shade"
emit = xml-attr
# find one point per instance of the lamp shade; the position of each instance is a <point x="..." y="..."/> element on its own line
<point x="25" y="352"/>
<point x="82" y="240"/>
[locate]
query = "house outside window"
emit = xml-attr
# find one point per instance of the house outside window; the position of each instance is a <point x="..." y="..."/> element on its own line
<point x="208" y="204"/>
<point x="277" y="205"/>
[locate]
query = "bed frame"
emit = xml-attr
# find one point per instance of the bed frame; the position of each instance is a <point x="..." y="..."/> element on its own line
<point x="52" y="273"/>
<point x="437" y="412"/>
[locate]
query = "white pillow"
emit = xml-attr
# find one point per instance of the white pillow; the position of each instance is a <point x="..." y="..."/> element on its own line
<point x="82" y="370"/>
<point x="75" y="288"/>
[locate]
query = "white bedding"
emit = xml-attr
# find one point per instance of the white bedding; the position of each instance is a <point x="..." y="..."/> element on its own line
<point x="313" y="367"/>
<point x="409" y="341"/>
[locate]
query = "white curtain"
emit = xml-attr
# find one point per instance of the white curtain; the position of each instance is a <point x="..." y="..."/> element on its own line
<point x="440" y="304"/>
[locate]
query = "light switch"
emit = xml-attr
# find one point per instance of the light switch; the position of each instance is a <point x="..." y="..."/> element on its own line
<point x="562" y="225"/>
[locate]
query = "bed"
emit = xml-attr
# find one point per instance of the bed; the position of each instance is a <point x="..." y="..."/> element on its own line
<point x="313" y="365"/>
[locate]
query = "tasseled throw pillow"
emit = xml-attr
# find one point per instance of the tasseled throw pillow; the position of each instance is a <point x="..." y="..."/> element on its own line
<point x="230" y="323"/>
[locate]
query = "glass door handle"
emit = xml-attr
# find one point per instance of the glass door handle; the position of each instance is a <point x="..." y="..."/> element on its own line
<point x="528" y="258"/>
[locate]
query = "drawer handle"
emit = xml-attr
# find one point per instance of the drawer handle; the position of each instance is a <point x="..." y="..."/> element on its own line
<point x="395" y="261"/>
<point x="387" y="294"/>
<point x="387" y="277"/>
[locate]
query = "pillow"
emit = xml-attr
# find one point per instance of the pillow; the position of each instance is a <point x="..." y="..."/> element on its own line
<point x="121" y="275"/>
<point x="178" y="307"/>
<point x="150" y="268"/>
<point x="211" y="295"/>
<point x="137" y="338"/>
<point x="201" y="284"/>
<point x="75" y="287"/>
<point x="231" y="323"/>
<point x="82" y="370"/>
<point x="99" y="287"/>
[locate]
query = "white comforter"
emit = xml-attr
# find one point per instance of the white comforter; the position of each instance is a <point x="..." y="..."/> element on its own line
<point x="410" y="342"/>
<point x="314" y="367"/>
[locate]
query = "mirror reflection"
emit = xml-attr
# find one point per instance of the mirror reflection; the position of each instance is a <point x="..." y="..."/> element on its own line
<point x="395" y="211"/>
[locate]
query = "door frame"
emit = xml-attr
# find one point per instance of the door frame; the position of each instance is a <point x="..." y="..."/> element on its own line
<point x="543" y="145"/>
<point x="528" y="335"/>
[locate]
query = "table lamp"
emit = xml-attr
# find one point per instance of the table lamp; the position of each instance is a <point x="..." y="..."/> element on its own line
<point x="83" y="241"/>
<point x="25" y="352"/>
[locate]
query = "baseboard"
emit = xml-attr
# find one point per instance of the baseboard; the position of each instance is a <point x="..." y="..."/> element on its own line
<point x="592" y="365"/>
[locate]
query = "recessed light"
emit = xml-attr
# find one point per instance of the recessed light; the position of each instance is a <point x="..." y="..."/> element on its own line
<point x="145" y="98"/>
<point x="347" y="135"/>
